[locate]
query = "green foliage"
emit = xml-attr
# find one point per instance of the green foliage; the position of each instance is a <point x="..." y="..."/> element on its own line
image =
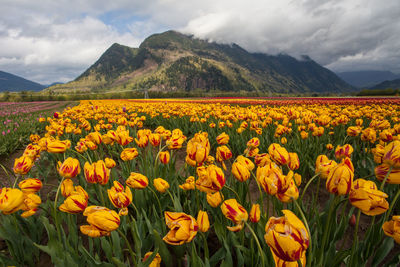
<point x="379" y="92"/>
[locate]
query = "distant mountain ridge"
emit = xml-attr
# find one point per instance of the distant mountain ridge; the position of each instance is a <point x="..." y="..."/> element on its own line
<point x="367" y="78"/>
<point x="393" y="84"/>
<point x="13" y="83"/>
<point x="172" y="61"/>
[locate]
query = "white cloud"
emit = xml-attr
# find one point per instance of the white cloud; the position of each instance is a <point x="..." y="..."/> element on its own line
<point x="51" y="41"/>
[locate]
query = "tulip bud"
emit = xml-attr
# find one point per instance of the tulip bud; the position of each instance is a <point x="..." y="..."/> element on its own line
<point x="67" y="187"/>
<point x="240" y="172"/>
<point x="294" y="162"/>
<point x="164" y="157"/>
<point x="154" y="139"/>
<point x="223" y="139"/>
<point x="161" y="185"/>
<point x="214" y="199"/>
<point x="110" y="163"/>
<point x="156" y="261"/>
<point x="255" y="213"/>
<point x="202" y="221"/>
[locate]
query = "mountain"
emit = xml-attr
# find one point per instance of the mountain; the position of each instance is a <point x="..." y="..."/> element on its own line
<point x="12" y="83"/>
<point x="393" y="84"/>
<point x="173" y="61"/>
<point x="366" y="78"/>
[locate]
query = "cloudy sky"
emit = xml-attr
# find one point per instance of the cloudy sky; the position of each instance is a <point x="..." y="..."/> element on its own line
<point x="56" y="40"/>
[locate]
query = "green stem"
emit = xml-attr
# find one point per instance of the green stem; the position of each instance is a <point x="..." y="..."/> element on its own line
<point x="16" y="180"/>
<point x="355" y="240"/>
<point x="158" y="200"/>
<point x="392" y="205"/>
<point x="100" y="192"/>
<point x="133" y="255"/>
<point x="206" y="252"/>
<point x="308" y="230"/>
<point x="8" y="176"/>
<point x="257" y="242"/>
<point x="307" y="185"/>
<point x="327" y="228"/>
<point x="386" y="177"/>
<point x="237" y="196"/>
<point x="261" y="194"/>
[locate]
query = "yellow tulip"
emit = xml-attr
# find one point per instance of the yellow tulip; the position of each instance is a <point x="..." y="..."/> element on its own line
<point x="392" y="154"/>
<point x="278" y="154"/>
<point x="340" y="178"/>
<point x="70" y="168"/>
<point x="137" y="181"/>
<point x="129" y="154"/>
<point x="11" y="200"/>
<point x="202" y="221"/>
<point x="188" y="185"/>
<point x="102" y="221"/>
<point x="382" y="170"/>
<point x="22" y="165"/>
<point x="343" y="151"/>
<point x="235" y="212"/>
<point x="120" y="198"/>
<point x="366" y="196"/>
<point x="214" y="199"/>
<point x="110" y="163"/>
<point x="96" y="172"/>
<point x="67" y="187"/>
<point x="183" y="228"/>
<point x="164" y="157"/>
<point x="156" y="261"/>
<point x="294" y="162"/>
<point x="287" y="236"/>
<point x="57" y="146"/>
<point x="210" y="179"/>
<point x="30" y="185"/>
<point x="161" y="185"/>
<point x="392" y="228"/>
<point x="255" y="213"/>
<point x="240" y="171"/>
<point x="75" y="203"/>
<point x="223" y="139"/>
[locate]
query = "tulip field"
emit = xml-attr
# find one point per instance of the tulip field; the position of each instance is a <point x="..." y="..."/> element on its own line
<point x="20" y="119"/>
<point x="207" y="182"/>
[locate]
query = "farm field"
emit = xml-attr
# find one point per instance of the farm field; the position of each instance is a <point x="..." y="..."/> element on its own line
<point x="20" y="119"/>
<point x="202" y="182"/>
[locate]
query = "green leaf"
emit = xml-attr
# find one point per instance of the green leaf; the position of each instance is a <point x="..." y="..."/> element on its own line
<point x="383" y="251"/>
<point x="105" y="245"/>
<point x="116" y="241"/>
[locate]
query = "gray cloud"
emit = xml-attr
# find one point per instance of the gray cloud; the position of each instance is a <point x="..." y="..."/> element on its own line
<point x="51" y="41"/>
